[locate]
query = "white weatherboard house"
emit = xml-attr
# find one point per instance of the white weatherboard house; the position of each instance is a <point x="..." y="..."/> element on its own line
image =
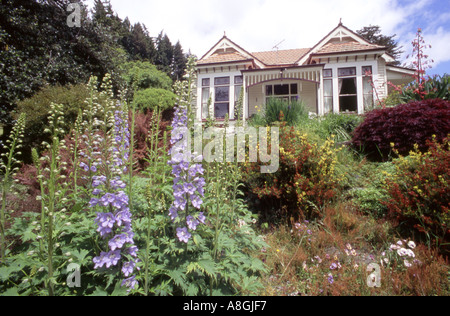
<point x="332" y="76"/>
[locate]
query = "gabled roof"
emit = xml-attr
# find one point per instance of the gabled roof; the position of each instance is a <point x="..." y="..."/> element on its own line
<point x="227" y="51"/>
<point x="223" y="58"/>
<point x="344" y="47"/>
<point x="340" y="40"/>
<point x="281" y="57"/>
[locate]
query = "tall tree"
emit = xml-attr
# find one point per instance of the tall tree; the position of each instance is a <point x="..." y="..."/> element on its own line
<point x="179" y="62"/>
<point x="36" y="48"/>
<point x="164" y="56"/>
<point x="372" y="33"/>
<point x="143" y="47"/>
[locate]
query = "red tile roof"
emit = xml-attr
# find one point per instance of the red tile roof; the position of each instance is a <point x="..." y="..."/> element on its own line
<point x="343" y="47"/>
<point x="222" y="58"/>
<point x="281" y="57"/>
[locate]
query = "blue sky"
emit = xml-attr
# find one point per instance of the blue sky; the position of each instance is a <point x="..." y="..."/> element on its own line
<point x="258" y="25"/>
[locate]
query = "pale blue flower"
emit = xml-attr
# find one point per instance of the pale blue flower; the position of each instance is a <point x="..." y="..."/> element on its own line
<point x="183" y="235"/>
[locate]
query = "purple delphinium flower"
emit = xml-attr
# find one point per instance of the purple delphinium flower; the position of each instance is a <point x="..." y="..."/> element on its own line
<point x="183" y="234"/>
<point x="201" y="218"/>
<point x="188" y="188"/>
<point x="115" y="225"/>
<point x="192" y="222"/>
<point x="128" y="268"/>
<point x="130" y="283"/>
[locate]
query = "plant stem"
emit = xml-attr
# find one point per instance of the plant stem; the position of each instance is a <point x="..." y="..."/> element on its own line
<point x="131" y="161"/>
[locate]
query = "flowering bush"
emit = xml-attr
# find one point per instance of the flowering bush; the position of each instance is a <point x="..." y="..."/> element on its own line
<point x="404" y="126"/>
<point x="401" y="251"/>
<point x="306" y="179"/>
<point x="418" y="191"/>
<point x="436" y="87"/>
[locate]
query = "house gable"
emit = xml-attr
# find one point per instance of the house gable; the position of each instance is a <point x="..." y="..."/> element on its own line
<point x="226" y="51"/>
<point x="340" y="41"/>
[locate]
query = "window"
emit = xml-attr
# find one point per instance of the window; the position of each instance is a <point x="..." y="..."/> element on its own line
<point x="367" y="87"/>
<point x="221" y="81"/>
<point x="238" y="82"/>
<point x="328" y="90"/>
<point x="205" y="97"/>
<point x="222" y="97"/>
<point x="287" y="92"/>
<point x="348" y="99"/>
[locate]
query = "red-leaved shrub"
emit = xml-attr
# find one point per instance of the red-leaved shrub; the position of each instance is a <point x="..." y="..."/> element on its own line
<point x="144" y="124"/>
<point x="404" y="126"/>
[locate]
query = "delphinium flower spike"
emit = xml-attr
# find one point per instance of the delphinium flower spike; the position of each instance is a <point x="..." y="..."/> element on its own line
<point x="188" y="183"/>
<point x="115" y="224"/>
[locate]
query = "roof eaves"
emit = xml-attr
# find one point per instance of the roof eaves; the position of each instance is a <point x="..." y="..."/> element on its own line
<point x="378" y="49"/>
<point x="284" y="68"/>
<point x="226" y="62"/>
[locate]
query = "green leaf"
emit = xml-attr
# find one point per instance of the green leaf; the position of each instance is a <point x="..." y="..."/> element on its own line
<point x="208" y="267"/>
<point x="99" y="292"/>
<point x="10" y="292"/>
<point x="177" y="277"/>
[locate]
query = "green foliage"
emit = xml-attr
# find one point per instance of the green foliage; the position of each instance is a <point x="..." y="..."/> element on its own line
<point x="36" y="108"/>
<point x="141" y="75"/>
<point x="152" y="98"/>
<point x="368" y="189"/>
<point x="372" y="33"/>
<point x="8" y="168"/>
<point x="339" y="125"/>
<point x="220" y="259"/>
<point x="280" y="110"/>
<point x="37" y="48"/>
<point x="436" y="87"/>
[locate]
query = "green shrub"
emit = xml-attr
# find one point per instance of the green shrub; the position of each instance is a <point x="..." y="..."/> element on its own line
<point x="280" y="110"/>
<point x="150" y="99"/>
<point x="71" y="97"/>
<point x="339" y="125"/>
<point x="140" y="75"/>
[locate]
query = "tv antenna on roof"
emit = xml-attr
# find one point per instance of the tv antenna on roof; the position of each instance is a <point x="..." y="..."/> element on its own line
<point x="277" y="46"/>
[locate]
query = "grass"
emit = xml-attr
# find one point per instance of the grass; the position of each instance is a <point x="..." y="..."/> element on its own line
<point x="333" y="258"/>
